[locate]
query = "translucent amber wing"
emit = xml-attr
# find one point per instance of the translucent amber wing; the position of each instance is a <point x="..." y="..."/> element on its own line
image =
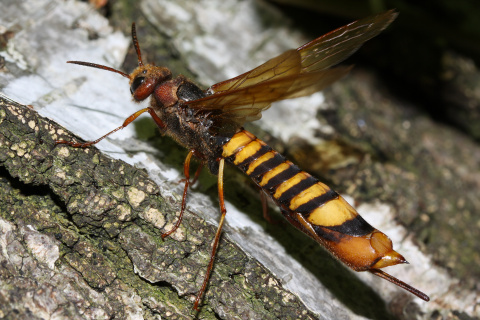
<point x="321" y="53"/>
<point x="288" y="63"/>
<point x="335" y="46"/>
<point x="293" y="74"/>
<point x="251" y="101"/>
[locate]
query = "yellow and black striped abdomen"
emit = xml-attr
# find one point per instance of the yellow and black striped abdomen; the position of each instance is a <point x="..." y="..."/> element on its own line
<point x="293" y="189"/>
<point x="307" y="203"/>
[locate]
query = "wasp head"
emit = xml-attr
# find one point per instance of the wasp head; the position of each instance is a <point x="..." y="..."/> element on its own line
<point x="143" y="79"/>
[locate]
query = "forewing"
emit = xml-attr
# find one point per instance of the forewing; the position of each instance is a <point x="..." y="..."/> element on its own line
<point x="286" y="64"/>
<point x="335" y="46"/>
<point x="246" y="104"/>
<point x="321" y="53"/>
<point x="293" y="74"/>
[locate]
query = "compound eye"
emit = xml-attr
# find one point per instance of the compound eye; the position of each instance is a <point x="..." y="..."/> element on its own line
<point x="137" y="82"/>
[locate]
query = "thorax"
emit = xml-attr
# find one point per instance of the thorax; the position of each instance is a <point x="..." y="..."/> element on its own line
<point x="193" y="128"/>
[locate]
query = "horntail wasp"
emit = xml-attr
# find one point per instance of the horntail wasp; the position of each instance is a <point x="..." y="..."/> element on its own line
<point x="210" y="125"/>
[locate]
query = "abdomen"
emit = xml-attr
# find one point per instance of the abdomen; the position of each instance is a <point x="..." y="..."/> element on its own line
<point x="312" y="206"/>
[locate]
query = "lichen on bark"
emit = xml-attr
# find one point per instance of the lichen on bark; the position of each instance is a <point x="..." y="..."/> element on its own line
<point x="81" y="238"/>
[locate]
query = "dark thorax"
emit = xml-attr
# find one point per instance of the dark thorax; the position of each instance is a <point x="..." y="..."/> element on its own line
<point x="194" y="129"/>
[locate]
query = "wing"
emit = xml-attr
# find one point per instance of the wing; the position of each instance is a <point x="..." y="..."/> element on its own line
<point x="295" y="73"/>
<point x="246" y="104"/>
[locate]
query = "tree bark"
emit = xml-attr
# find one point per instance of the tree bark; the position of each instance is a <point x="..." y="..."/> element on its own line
<point x="80" y="234"/>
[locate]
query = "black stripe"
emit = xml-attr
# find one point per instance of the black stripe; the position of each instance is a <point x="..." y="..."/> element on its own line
<point x="326" y="234"/>
<point x="306" y="208"/>
<point x="355" y="227"/>
<point x="296" y="189"/>
<point x="260" y="152"/>
<point x="231" y="158"/>
<point x="268" y="165"/>
<point x="281" y="177"/>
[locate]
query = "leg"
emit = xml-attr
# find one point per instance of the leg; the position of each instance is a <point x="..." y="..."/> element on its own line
<point x="217" y="235"/>
<point x="266" y="215"/>
<point x="186" y="171"/>
<point x="197" y="174"/>
<point x="127" y="121"/>
<point x="263" y="199"/>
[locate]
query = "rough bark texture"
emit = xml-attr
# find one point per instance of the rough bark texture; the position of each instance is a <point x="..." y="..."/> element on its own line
<point x="80" y="236"/>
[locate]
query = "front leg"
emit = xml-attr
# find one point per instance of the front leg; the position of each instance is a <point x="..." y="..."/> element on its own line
<point x="127" y="121"/>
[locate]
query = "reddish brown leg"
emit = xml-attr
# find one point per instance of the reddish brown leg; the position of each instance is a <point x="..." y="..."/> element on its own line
<point x="186" y="172"/>
<point x="197" y="174"/>
<point x="266" y="215"/>
<point x="217" y="235"/>
<point x="127" y="121"/>
<point x="263" y="199"/>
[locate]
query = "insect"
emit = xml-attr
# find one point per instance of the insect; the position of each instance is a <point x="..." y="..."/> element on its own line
<point x="209" y="124"/>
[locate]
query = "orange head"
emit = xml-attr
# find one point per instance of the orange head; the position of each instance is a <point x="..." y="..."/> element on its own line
<point x="143" y="79"/>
